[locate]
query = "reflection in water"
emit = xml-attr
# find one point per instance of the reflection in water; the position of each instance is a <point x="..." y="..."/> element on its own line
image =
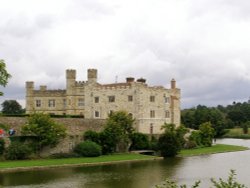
<point x="137" y="174"/>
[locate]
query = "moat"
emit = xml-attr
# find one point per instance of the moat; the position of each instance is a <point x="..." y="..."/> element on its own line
<point x="138" y="174"/>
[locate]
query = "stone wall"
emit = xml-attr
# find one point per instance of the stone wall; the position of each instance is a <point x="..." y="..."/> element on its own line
<point x="75" y="129"/>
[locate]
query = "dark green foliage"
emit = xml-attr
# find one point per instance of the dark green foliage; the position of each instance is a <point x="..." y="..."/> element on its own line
<point x="88" y="149"/>
<point x="45" y="129"/>
<point x="207" y="133"/>
<point x="245" y="127"/>
<point x="194" y="117"/>
<point x="18" y="151"/>
<point x="115" y="136"/>
<point x="190" y="144"/>
<point x="196" y="138"/>
<point x="4" y="75"/>
<point x="140" y="141"/>
<point x="11" y="107"/>
<point x="91" y="136"/>
<point x="153" y="144"/>
<point x="180" y="132"/>
<point x="2" y="146"/>
<point x="169" y="143"/>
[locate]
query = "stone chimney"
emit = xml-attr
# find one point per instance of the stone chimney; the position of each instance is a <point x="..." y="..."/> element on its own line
<point x="173" y="84"/>
<point x="142" y="80"/>
<point x="130" y="79"/>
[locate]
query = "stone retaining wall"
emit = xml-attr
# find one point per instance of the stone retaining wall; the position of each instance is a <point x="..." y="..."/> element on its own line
<point x="75" y="129"/>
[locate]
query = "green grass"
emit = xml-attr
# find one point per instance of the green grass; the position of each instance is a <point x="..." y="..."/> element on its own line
<point x="218" y="148"/>
<point x="237" y="133"/>
<point x="73" y="161"/>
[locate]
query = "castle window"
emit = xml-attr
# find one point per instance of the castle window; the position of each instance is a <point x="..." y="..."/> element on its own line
<point x="167" y="114"/>
<point x="38" y="103"/>
<point x="96" y="99"/>
<point x="152" y="113"/>
<point x="111" y="98"/>
<point x="97" y="114"/>
<point x="64" y="103"/>
<point x="52" y="103"/>
<point x="167" y="99"/>
<point x="151" y="129"/>
<point x="152" y="98"/>
<point x="81" y="102"/>
<point x="130" y="98"/>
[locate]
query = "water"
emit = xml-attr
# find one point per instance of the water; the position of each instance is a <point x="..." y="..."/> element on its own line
<point x="143" y="174"/>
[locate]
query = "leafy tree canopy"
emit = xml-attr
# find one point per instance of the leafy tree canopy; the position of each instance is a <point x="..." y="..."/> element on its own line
<point x="47" y="131"/>
<point x="4" y="75"/>
<point x="11" y="107"/>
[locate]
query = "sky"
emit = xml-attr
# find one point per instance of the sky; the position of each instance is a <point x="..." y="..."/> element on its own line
<point x="203" y="44"/>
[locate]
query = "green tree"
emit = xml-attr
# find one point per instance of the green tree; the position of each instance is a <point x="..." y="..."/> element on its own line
<point x="11" y="107"/>
<point x="88" y="149"/>
<point x="139" y="141"/>
<point x="45" y="129"/>
<point x="4" y="75"/>
<point x="207" y="133"/>
<point x="117" y="131"/>
<point x="92" y="136"/>
<point x="169" y="144"/>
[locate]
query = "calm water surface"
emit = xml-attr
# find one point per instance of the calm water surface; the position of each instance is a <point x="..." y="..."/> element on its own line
<point x="144" y="174"/>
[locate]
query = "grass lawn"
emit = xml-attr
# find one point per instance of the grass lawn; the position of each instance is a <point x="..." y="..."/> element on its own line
<point x="237" y="133"/>
<point x="73" y="161"/>
<point x="218" y="148"/>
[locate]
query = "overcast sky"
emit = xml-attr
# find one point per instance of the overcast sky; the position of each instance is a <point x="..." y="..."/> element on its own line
<point x="203" y="44"/>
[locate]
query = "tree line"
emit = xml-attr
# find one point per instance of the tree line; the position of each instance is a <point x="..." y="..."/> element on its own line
<point x="221" y="117"/>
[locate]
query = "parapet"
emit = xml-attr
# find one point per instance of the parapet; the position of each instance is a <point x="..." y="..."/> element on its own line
<point x="71" y="74"/>
<point x="30" y="85"/>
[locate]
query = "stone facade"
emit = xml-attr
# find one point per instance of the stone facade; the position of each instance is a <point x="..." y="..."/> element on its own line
<point x="150" y="106"/>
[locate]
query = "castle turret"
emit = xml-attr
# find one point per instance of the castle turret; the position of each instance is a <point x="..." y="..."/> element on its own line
<point x="71" y="78"/>
<point x="92" y="75"/>
<point x="29" y="96"/>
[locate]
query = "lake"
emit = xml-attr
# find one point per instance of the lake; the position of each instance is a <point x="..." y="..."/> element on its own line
<point x="144" y="174"/>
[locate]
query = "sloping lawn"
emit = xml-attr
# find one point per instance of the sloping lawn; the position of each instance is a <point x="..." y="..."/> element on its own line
<point x="218" y="148"/>
<point x="73" y="161"/>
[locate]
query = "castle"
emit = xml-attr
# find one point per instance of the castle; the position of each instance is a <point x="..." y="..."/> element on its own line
<point x="150" y="106"/>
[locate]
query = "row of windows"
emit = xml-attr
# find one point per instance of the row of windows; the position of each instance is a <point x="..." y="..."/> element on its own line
<point x="152" y="114"/>
<point x="52" y="102"/>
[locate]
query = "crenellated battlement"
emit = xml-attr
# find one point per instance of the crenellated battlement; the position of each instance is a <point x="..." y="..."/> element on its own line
<point x="71" y="74"/>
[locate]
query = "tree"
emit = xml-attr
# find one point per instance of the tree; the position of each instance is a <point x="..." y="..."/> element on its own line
<point x="11" y="107"/>
<point x="207" y="133"/>
<point x="4" y="75"/>
<point x="139" y="141"/>
<point x="169" y="143"/>
<point x="115" y="136"/>
<point x="45" y="129"/>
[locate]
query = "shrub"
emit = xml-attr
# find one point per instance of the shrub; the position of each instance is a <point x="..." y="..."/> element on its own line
<point x="196" y="137"/>
<point x="63" y="155"/>
<point x="91" y="136"/>
<point x="190" y="144"/>
<point x="17" y="151"/>
<point x="139" y="141"/>
<point x="88" y="149"/>
<point x="2" y="144"/>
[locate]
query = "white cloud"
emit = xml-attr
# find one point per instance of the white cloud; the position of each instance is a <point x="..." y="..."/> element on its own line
<point x="203" y="44"/>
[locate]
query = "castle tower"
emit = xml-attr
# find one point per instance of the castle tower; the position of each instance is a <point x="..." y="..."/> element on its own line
<point x="71" y="78"/>
<point x="29" y="96"/>
<point x="92" y="75"/>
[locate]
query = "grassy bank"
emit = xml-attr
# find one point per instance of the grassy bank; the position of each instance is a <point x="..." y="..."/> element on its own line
<point x="218" y="148"/>
<point x="47" y="163"/>
<point x="72" y="161"/>
<point x="237" y="133"/>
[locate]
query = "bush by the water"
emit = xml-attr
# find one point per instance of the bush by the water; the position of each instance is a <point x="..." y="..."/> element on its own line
<point x="139" y="141"/>
<point x="17" y="151"/>
<point x="88" y="149"/>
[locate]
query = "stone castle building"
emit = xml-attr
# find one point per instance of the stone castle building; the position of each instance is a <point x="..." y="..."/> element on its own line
<point x="150" y="106"/>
